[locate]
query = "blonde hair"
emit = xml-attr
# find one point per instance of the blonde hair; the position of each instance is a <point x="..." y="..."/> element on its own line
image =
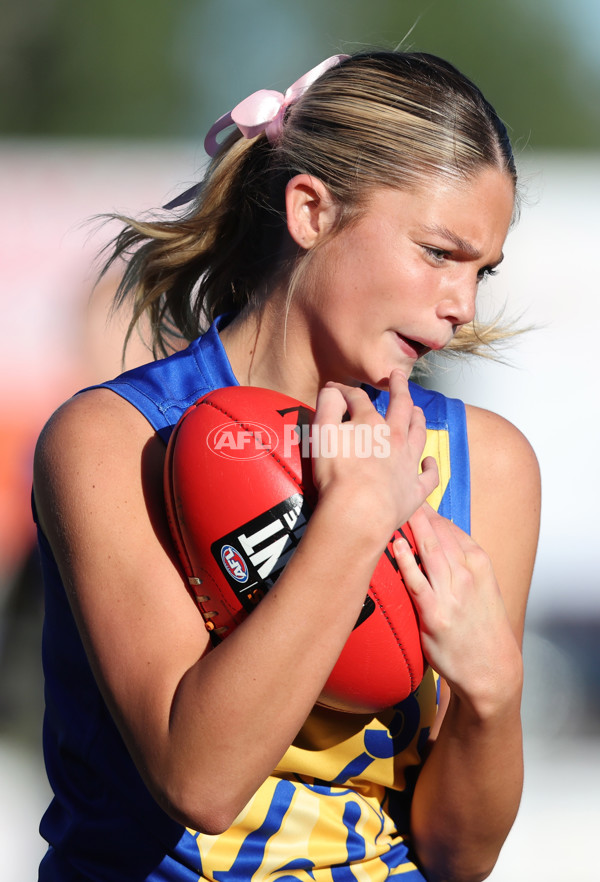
<point x="378" y="119"/>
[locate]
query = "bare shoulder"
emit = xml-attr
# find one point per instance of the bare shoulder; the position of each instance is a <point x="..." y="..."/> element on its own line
<point x="97" y="417"/>
<point x="98" y="484"/>
<point x="499" y="449"/>
<point x="505" y="503"/>
<point x="98" y="490"/>
<point x="87" y="446"/>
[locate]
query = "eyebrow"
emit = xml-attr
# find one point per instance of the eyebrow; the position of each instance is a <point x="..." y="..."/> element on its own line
<point x="467" y="247"/>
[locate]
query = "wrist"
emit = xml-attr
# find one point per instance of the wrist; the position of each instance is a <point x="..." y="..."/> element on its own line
<point x="357" y="520"/>
<point x="491" y="698"/>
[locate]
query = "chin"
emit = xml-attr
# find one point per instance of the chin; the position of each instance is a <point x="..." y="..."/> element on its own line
<point x="384" y="382"/>
<point x="382" y="385"/>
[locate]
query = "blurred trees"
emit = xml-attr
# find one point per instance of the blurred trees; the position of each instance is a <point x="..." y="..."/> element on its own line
<point x="88" y="67"/>
<point x="167" y="68"/>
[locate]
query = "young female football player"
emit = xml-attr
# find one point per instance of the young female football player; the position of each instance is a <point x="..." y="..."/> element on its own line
<point x="340" y="234"/>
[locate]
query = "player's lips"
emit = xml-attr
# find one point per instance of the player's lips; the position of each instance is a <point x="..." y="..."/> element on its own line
<point x="413" y="348"/>
<point x="418" y="348"/>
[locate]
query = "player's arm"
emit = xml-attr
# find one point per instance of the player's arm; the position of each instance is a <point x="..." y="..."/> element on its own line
<point x="472" y="616"/>
<point x="205" y="728"/>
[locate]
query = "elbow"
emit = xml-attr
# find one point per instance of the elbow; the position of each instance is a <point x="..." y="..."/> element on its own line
<point x="207" y="812"/>
<point x="199" y="797"/>
<point x="437" y="870"/>
<point x="210" y="820"/>
<point x="440" y="863"/>
<point x="448" y="876"/>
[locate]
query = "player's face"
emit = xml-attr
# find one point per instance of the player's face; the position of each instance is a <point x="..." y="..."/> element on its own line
<point x="402" y="280"/>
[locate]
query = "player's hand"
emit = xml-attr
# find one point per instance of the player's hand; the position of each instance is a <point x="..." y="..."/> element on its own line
<point x="386" y="485"/>
<point x="465" y="631"/>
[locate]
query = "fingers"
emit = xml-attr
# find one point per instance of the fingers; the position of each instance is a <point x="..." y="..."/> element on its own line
<point x="401" y="410"/>
<point x="414" y="578"/>
<point x="402" y="416"/>
<point x="430" y="476"/>
<point x="426" y="522"/>
<point x="383" y="454"/>
<point x="335" y="401"/>
<point x="405" y="424"/>
<point x="331" y="405"/>
<point x="444" y="549"/>
<point x="436" y="544"/>
<point x="409" y="424"/>
<point x="432" y="587"/>
<point x="405" y="420"/>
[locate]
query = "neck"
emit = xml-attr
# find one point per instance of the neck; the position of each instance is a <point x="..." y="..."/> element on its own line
<point x="270" y="347"/>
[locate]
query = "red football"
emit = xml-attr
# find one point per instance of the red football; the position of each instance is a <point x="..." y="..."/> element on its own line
<point x="239" y="493"/>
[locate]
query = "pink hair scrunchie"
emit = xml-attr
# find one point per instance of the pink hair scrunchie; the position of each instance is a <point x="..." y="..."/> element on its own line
<point x="264" y="111"/>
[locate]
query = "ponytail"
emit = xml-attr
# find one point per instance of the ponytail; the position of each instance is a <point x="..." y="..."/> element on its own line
<point x="379" y="119"/>
<point x="184" y="271"/>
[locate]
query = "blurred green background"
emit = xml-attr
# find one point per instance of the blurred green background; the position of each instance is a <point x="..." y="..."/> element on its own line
<point x="104" y="105"/>
<point x="167" y="68"/>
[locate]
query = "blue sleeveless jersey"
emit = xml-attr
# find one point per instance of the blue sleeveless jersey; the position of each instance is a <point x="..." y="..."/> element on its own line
<point x="336" y="807"/>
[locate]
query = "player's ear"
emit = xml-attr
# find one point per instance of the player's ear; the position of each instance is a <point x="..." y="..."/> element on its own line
<point x="311" y="210"/>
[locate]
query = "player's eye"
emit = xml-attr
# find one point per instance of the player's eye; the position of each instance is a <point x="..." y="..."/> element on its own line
<point x="486" y="272"/>
<point x="436" y="255"/>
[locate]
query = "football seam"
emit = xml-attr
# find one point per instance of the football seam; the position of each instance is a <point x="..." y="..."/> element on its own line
<point x="172" y="518"/>
<point x="248" y="428"/>
<point x="398" y="641"/>
<point x="283" y="466"/>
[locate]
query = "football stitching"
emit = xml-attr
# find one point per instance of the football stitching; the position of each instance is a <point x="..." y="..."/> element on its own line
<point x="243" y="423"/>
<point x="400" y="646"/>
<point x="220" y="409"/>
<point x="172" y="516"/>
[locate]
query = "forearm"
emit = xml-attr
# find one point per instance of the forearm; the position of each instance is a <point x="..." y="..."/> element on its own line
<point x="207" y="726"/>
<point x="238" y="709"/>
<point x="469" y="790"/>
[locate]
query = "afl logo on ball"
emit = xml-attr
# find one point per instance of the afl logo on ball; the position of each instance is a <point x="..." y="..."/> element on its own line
<point x="242" y="440"/>
<point x="234" y="563"/>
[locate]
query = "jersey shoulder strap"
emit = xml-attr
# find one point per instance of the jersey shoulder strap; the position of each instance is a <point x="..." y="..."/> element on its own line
<point x="163" y="390"/>
<point x="447" y="442"/>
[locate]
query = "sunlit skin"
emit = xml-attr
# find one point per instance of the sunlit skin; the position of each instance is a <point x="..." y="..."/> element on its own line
<point x="392" y="286"/>
<point x="377" y="296"/>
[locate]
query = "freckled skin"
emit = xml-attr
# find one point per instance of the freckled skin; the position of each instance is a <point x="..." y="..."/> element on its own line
<point x="383" y="291"/>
